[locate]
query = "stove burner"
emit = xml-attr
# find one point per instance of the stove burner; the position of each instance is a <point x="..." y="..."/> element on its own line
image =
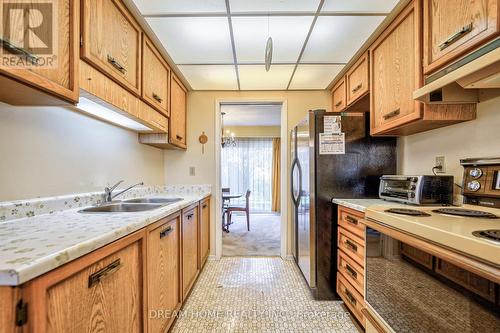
<point x="493" y="235"/>
<point x="406" y="211"/>
<point x="466" y="213"/>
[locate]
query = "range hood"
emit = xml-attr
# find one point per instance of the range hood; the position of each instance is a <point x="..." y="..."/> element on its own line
<point x="462" y="81"/>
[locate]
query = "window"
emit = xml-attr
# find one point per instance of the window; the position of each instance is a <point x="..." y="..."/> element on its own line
<point x="248" y="165"/>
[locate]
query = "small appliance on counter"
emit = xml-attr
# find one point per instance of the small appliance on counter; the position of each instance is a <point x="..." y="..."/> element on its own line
<point x="417" y="190"/>
<point x="481" y="185"/>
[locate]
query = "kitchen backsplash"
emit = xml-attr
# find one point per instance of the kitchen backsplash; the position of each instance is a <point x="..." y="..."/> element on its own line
<point x="10" y="210"/>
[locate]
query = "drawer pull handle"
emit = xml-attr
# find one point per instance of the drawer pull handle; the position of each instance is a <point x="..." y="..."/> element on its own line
<point x="359" y="86"/>
<point x="351" y="245"/>
<point x="351" y="271"/>
<point x="392" y="114"/>
<point x="157" y="98"/>
<point x="351" y="220"/>
<point x="339" y="103"/>
<point x="18" y="51"/>
<point x="456" y="36"/>
<point x="190" y="216"/>
<point x="105" y="272"/>
<point x="166" y="232"/>
<point x="204" y="206"/>
<point x="116" y="64"/>
<point x="179" y="137"/>
<point x="350" y="297"/>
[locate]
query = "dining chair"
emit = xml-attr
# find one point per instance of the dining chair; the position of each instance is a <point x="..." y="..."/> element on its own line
<point x="225" y="204"/>
<point x="230" y="209"/>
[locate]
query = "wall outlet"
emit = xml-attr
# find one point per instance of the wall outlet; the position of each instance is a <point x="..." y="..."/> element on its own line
<point x="192" y="171"/>
<point x="440" y="162"/>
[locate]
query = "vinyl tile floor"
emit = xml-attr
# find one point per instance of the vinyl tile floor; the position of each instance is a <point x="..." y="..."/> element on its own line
<point x="257" y="294"/>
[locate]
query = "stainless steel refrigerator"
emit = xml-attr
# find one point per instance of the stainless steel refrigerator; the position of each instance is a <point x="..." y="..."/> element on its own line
<point x="319" y="176"/>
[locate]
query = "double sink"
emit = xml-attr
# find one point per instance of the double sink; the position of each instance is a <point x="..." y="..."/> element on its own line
<point x="132" y="205"/>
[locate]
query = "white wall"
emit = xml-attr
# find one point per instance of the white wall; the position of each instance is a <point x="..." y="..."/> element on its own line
<point x="51" y="151"/>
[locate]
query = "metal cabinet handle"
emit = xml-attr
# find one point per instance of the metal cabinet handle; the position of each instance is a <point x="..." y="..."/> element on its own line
<point x="359" y="86"/>
<point x="351" y="220"/>
<point x="350" y="297"/>
<point x="392" y="114"/>
<point x="6" y="44"/>
<point x="190" y="216"/>
<point x="116" y="64"/>
<point x="351" y="271"/>
<point x="105" y="272"/>
<point x="179" y="137"/>
<point x="456" y="36"/>
<point x="166" y="232"/>
<point x="351" y="245"/>
<point x="204" y="206"/>
<point x="157" y="98"/>
<point x="339" y="103"/>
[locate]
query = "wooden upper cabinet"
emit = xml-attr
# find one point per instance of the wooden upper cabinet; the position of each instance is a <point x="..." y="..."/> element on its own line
<point x="357" y="83"/>
<point x="178" y="104"/>
<point x="190" y="266"/>
<point x="395" y="72"/>
<point x="61" y="79"/>
<point x="155" y="77"/>
<point x="112" y="42"/>
<point x="204" y="239"/>
<point x="339" y="96"/>
<point x="452" y="28"/>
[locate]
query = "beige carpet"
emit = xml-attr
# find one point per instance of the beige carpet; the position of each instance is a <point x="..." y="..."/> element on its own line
<point x="263" y="239"/>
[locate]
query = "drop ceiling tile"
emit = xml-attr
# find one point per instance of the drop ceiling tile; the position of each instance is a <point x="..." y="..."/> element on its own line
<point x="255" y="77"/>
<point x="264" y="6"/>
<point x="198" y="40"/>
<point x="372" y="6"/>
<point x="210" y="77"/>
<point x="180" y="6"/>
<point x="288" y="33"/>
<point x="314" y="76"/>
<point x="337" y="38"/>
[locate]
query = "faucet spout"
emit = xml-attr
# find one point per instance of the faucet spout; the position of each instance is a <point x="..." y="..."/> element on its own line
<point x="112" y="196"/>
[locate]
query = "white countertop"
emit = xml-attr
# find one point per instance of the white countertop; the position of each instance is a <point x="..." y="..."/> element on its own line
<point x="360" y="204"/>
<point x="32" y="246"/>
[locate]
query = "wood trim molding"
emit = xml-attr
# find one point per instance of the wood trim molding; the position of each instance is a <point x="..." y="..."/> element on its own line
<point x="372" y="320"/>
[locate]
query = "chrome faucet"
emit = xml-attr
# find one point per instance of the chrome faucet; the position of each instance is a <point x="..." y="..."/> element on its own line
<point x="108" y="191"/>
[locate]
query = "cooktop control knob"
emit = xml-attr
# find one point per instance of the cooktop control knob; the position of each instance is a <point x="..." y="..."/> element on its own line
<point x="475" y="173"/>
<point x="473" y="186"/>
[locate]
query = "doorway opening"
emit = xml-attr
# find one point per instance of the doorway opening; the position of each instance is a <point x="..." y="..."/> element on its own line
<point x="250" y="169"/>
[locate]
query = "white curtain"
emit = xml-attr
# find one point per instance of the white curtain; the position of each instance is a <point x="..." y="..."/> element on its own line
<point x="249" y="165"/>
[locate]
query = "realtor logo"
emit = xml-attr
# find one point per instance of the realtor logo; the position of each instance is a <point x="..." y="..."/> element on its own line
<point x="28" y="36"/>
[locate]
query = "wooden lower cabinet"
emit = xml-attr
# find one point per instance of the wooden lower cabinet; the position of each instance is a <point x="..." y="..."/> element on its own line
<point x="190" y="268"/>
<point x="164" y="272"/>
<point x="204" y="238"/>
<point x="419" y="256"/>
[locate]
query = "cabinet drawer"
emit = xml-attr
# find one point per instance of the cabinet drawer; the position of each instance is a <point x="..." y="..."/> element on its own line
<point x="352" y="299"/>
<point x="156" y="75"/>
<point x="449" y="33"/>
<point x="112" y="42"/>
<point x="339" y="96"/>
<point x="352" y="246"/>
<point x="416" y="255"/>
<point x="357" y="80"/>
<point x="352" y="272"/>
<point x="350" y="220"/>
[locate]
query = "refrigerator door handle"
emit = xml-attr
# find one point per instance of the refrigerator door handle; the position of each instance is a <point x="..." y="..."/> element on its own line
<point x="300" y="180"/>
<point x="292" y="187"/>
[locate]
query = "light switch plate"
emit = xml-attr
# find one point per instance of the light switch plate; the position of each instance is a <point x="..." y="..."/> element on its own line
<point x="192" y="171"/>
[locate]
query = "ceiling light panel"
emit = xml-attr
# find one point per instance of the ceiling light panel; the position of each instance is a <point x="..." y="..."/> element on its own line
<point x="210" y="77"/>
<point x="360" y="6"/>
<point x="152" y="7"/>
<point x="199" y="40"/>
<point x="288" y="33"/>
<point x="255" y="77"/>
<point x="314" y="76"/>
<point x="266" y="6"/>
<point x="337" y="38"/>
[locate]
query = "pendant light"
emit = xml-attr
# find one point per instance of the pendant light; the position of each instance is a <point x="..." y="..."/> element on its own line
<point x="269" y="48"/>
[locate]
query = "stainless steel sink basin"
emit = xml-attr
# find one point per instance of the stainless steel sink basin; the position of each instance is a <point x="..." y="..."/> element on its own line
<point x="163" y="201"/>
<point x="121" y="207"/>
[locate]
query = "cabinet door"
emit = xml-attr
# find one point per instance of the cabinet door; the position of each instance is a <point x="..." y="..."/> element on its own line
<point x="339" y="96"/>
<point x="451" y="28"/>
<point x="112" y="41"/>
<point x="177" y="113"/>
<point x="357" y="80"/>
<point x="395" y="72"/>
<point x="156" y="75"/>
<point x="164" y="290"/>
<point x="62" y="78"/>
<point x="204" y="231"/>
<point x="101" y="291"/>
<point x="189" y="249"/>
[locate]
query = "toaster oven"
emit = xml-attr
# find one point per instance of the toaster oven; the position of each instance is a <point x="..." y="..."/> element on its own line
<point x="417" y="190"/>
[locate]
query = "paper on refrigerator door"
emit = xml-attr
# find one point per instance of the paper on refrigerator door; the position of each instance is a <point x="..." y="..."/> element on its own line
<point x="332" y="124"/>
<point x="331" y="143"/>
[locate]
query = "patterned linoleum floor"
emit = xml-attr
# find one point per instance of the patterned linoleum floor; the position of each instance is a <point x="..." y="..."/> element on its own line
<point x="238" y="294"/>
